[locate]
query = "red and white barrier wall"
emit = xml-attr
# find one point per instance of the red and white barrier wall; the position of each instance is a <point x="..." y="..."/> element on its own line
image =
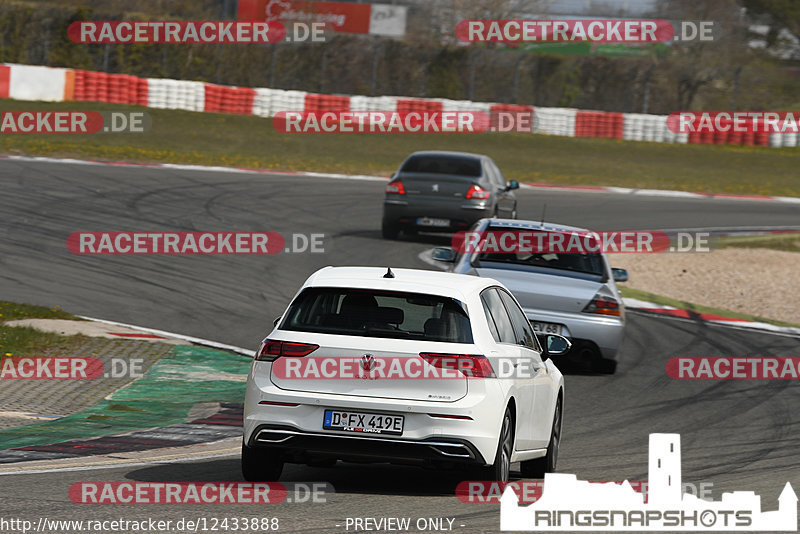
<point x="26" y="82"/>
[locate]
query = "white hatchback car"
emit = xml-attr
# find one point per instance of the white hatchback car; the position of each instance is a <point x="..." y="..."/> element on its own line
<point x="406" y="366"/>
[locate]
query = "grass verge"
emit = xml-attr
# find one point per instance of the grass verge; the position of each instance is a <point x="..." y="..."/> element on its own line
<point x="11" y="310"/>
<point x="629" y="292"/>
<point x="784" y="242"/>
<point x="251" y="142"/>
<point x="27" y="341"/>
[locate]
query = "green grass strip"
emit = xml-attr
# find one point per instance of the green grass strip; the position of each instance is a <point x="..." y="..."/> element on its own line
<point x="251" y="142"/>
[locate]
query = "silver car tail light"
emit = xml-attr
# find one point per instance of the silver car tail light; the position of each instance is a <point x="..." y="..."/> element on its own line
<point x="603" y="305"/>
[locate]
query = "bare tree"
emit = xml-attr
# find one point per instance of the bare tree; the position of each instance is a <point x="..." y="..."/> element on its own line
<point x="698" y="64"/>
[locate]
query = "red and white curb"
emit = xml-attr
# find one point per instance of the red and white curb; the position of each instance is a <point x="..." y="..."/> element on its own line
<point x="669" y="311"/>
<point x="370" y="178"/>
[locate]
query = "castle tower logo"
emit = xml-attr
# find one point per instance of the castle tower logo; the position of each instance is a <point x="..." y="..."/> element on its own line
<point x="571" y="504"/>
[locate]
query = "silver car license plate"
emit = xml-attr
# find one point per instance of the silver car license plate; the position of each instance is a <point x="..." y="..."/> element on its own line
<point x="367" y="423"/>
<point x="427" y="221"/>
<point x="546" y="328"/>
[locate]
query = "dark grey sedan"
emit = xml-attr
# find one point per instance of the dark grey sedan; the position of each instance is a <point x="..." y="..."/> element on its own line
<point x="446" y="192"/>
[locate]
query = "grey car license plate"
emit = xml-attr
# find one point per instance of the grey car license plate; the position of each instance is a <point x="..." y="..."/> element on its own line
<point x="427" y="221"/>
<point x="366" y="423"/>
<point x="546" y="328"/>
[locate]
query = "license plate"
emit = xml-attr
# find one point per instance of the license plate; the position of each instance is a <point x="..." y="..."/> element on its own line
<point x="427" y="221"/>
<point x="546" y="328"/>
<point x="366" y="423"/>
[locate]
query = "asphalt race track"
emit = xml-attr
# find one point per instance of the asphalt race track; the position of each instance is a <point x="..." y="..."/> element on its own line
<point x="738" y="435"/>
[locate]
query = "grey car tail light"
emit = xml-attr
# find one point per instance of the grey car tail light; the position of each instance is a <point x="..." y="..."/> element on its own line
<point x="477" y="192"/>
<point x="395" y="187"/>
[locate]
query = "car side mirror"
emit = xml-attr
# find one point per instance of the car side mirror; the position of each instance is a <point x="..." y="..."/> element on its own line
<point x="445" y="254"/>
<point x="554" y="345"/>
<point x="393" y="176"/>
<point x="277" y="320"/>
<point x="513" y="184"/>
<point x="620" y="275"/>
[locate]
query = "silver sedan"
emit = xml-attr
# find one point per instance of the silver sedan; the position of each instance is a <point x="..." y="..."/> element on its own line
<point x="573" y="295"/>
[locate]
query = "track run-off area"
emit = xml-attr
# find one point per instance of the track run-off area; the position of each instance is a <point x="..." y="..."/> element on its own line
<point x="736" y="435"/>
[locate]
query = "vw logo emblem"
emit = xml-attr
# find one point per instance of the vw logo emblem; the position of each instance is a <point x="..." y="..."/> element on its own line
<point x="368" y="362"/>
<point x="435" y="188"/>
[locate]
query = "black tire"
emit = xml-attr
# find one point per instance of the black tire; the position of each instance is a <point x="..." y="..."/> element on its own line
<point x="501" y="467"/>
<point x="537" y="467"/>
<point x="260" y="465"/>
<point x="389" y="231"/>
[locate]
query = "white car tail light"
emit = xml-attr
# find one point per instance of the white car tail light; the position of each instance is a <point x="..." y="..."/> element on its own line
<point x="271" y="350"/>
<point x="470" y="365"/>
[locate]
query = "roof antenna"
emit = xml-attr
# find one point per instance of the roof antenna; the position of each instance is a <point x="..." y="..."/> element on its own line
<point x="544" y="210"/>
<point x="389" y="273"/>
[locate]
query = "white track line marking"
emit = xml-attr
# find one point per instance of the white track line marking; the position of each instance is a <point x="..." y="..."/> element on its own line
<point x="368" y="178"/>
<point x="119" y="465"/>
<point x="195" y="340"/>
<point x="187" y="167"/>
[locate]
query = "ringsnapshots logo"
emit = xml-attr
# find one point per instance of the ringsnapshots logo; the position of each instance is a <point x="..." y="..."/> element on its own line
<point x="569" y="504"/>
